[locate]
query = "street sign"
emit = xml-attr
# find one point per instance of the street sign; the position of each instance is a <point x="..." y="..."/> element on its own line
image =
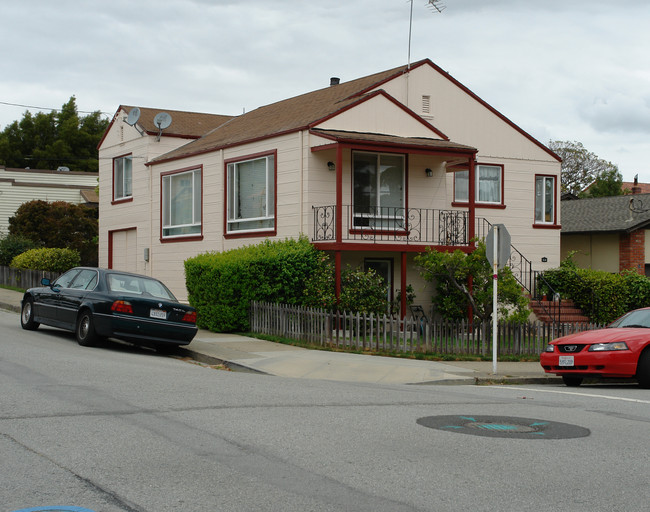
<point x="503" y="245"/>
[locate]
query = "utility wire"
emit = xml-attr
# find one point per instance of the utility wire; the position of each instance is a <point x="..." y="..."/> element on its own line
<point x="52" y="109"/>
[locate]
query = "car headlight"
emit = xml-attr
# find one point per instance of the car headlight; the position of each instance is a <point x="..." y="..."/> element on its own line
<point x="549" y="348"/>
<point x="607" y="347"/>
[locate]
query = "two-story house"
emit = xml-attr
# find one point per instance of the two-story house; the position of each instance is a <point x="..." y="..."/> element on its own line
<point x="373" y="171"/>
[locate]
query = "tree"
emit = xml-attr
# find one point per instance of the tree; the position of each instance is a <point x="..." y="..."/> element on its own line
<point x="48" y="141"/>
<point x="452" y="271"/>
<point x="59" y="225"/>
<point x="580" y="167"/>
<point x="609" y="183"/>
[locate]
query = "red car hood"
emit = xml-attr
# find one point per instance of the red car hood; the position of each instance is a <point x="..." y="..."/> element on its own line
<point x="606" y="336"/>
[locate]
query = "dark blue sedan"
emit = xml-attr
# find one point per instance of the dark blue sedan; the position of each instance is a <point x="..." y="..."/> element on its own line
<point x="98" y="303"/>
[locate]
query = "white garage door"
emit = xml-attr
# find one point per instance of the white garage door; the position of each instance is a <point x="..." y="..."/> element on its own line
<point x="125" y="250"/>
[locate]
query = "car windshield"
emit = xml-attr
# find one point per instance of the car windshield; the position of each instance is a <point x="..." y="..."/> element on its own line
<point x="137" y="285"/>
<point x="637" y="318"/>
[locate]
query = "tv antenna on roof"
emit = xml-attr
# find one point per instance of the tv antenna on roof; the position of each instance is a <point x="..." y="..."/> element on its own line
<point x="162" y="121"/>
<point x="132" y="119"/>
<point x="435" y="6"/>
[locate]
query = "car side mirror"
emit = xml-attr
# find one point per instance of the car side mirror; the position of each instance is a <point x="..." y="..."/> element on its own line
<point x="45" y="281"/>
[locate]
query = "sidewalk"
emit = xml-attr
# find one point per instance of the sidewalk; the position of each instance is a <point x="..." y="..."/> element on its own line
<point x="241" y="353"/>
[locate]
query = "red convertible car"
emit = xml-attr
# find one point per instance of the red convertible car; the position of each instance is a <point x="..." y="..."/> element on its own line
<point x="621" y="350"/>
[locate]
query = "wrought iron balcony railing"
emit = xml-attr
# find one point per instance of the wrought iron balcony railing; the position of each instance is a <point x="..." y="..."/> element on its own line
<point x="393" y="224"/>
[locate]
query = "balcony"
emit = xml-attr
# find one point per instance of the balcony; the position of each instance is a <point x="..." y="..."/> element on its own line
<point x="417" y="226"/>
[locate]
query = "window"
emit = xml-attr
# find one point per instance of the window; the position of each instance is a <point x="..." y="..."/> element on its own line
<point x="181" y="203"/>
<point x="122" y="169"/>
<point x="251" y="195"/>
<point x="488" y="184"/>
<point x="378" y="190"/>
<point x="85" y="280"/>
<point x="545" y="199"/>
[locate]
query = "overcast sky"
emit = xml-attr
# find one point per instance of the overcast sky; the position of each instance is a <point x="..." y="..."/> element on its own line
<point x="560" y="69"/>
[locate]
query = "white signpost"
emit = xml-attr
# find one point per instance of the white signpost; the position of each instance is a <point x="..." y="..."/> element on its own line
<point x="497" y="250"/>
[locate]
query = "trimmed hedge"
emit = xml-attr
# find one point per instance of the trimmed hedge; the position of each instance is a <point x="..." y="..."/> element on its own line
<point x="601" y="295"/>
<point x="13" y="245"/>
<point x="221" y="285"/>
<point x="50" y="259"/>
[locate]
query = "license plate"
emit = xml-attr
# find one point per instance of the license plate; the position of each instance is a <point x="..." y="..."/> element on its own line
<point x="158" y="313"/>
<point x="566" y="361"/>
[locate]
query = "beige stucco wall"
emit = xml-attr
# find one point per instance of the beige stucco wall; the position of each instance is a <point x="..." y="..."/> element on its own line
<point x="597" y="252"/>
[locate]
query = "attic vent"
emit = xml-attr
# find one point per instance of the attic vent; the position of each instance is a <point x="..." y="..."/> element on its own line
<point x="426" y="104"/>
<point x="335" y="80"/>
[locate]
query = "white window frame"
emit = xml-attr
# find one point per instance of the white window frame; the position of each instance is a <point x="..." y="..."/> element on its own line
<point x="477" y="189"/>
<point x="236" y="224"/>
<point x="188" y="229"/>
<point x="541" y="198"/>
<point x="122" y="184"/>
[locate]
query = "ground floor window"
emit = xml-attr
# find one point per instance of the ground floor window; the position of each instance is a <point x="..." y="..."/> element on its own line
<point x="251" y="194"/>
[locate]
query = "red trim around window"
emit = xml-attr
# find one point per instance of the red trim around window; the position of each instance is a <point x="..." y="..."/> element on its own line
<point x="122" y="199"/>
<point x="194" y="237"/>
<point x="495" y="206"/>
<point x="546" y="225"/>
<point x="251" y="234"/>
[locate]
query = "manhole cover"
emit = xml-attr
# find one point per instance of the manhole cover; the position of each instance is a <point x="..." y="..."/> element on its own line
<point x="504" y="426"/>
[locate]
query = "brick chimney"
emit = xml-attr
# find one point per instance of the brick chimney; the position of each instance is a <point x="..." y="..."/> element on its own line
<point x="635" y="188"/>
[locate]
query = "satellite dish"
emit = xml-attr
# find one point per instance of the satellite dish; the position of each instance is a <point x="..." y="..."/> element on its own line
<point x="162" y="120"/>
<point x="133" y="116"/>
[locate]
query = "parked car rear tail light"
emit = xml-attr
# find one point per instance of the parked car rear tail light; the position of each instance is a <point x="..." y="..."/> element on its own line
<point x="190" y="317"/>
<point x="122" y="306"/>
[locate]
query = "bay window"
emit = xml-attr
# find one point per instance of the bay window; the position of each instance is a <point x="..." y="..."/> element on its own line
<point x="251" y="195"/>
<point x="489" y="179"/>
<point x="181" y="203"/>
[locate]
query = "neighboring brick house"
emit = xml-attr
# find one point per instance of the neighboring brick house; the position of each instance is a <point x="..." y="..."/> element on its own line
<point x="608" y="233"/>
<point x="373" y="171"/>
<point x="18" y="186"/>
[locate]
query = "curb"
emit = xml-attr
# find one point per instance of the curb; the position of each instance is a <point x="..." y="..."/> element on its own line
<point x="10" y="307"/>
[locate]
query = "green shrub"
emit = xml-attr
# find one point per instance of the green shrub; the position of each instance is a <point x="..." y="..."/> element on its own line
<point x="222" y="285"/>
<point x="603" y="296"/>
<point x="361" y="291"/>
<point x="50" y="259"/>
<point x="13" y="245"/>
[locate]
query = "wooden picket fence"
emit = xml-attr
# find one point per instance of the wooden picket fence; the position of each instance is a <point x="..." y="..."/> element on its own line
<point x="360" y="332"/>
<point x="24" y="279"/>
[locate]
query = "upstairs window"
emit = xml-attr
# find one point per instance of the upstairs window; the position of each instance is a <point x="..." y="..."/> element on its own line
<point x="122" y="169"/>
<point x="251" y="195"/>
<point x="544" y="199"/>
<point x="181" y="203"/>
<point x="489" y="185"/>
<point x="378" y="184"/>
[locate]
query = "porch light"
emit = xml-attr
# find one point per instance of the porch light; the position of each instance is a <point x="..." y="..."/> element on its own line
<point x="429" y="172"/>
<point x="331" y="166"/>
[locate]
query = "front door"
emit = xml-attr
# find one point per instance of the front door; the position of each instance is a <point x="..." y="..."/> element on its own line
<point x="384" y="268"/>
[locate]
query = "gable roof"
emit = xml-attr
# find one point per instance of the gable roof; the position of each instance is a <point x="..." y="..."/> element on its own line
<point x="303" y="111"/>
<point x="605" y="214"/>
<point x="187" y="125"/>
